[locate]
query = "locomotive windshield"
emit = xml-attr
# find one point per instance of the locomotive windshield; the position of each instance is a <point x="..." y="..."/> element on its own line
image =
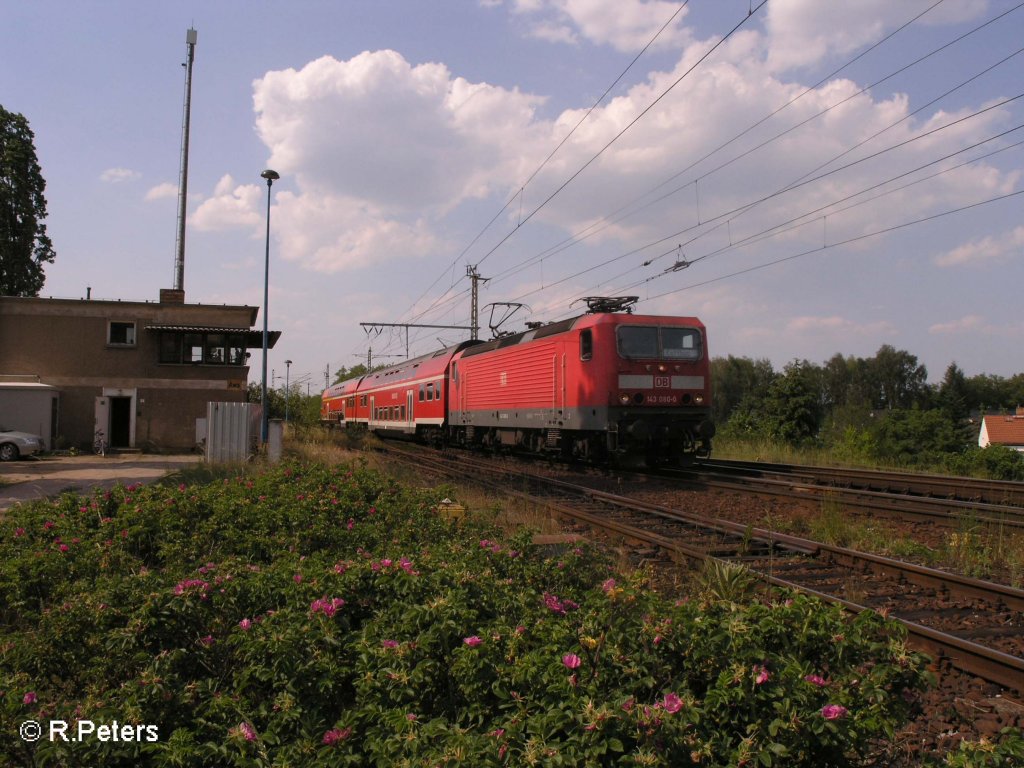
<point x="653" y="342"/>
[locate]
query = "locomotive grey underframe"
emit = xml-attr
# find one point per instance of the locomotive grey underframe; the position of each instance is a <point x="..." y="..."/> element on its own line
<point x="617" y="423"/>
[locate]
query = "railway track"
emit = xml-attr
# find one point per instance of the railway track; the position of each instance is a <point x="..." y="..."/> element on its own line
<point x="968" y="489"/>
<point x="977" y="626"/>
<point x="943" y="500"/>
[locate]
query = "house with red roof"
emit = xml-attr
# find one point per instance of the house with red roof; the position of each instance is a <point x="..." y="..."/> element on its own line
<point x="1003" y="429"/>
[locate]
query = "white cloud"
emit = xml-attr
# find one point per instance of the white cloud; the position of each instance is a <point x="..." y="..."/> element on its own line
<point x="330" y="234"/>
<point x="377" y="151"/>
<point x="834" y="325"/>
<point x="804" y="32"/>
<point x="966" y="324"/>
<point x="162" y="191"/>
<point x="626" y="25"/>
<point x="993" y="249"/>
<point x="118" y="175"/>
<point x="230" y="207"/>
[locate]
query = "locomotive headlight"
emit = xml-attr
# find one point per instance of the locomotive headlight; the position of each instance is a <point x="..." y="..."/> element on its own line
<point x="698" y="399"/>
<point x="624" y="398"/>
<point x="662" y="368"/>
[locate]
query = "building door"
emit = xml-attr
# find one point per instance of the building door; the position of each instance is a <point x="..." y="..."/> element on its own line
<point x="120" y="422"/>
<point x="101" y="427"/>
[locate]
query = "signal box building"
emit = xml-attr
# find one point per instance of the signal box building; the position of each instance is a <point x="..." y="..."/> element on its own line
<point x="141" y="373"/>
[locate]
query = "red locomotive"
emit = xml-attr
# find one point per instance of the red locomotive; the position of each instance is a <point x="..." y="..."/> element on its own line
<point x="601" y="386"/>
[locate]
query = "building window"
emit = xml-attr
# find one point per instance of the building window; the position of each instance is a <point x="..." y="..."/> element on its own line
<point x="121" y="334"/>
<point x="203" y="348"/>
<point x="193" y="348"/>
<point x="170" y="348"/>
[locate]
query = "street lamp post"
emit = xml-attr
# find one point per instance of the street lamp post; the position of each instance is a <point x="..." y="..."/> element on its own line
<point x="287" y="390"/>
<point x="271" y="177"/>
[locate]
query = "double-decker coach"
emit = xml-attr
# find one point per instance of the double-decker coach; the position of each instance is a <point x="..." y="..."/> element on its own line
<point x="409" y="398"/>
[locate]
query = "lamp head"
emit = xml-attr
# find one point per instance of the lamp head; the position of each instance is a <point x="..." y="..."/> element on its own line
<point x="270" y="176"/>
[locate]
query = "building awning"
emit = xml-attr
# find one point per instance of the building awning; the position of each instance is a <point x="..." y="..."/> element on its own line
<point x="253" y="338"/>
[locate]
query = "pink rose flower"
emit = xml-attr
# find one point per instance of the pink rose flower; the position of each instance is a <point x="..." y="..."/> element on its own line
<point x="761" y="674"/>
<point x="817" y="680"/>
<point x="30" y="698"/>
<point x="833" y="711"/>
<point x="672" y="703"/>
<point x="571" y="661"/>
<point x="245" y="624"/>
<point x="473" y="641"/>
<point x="335" y="735"/>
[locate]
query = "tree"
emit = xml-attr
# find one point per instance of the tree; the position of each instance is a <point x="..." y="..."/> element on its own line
<point x="344" y="374"/>
<point x="792" y="407"/>
<point x="735" y="379"/>
<point x="898" y="379"/>
<point x="953" y="395"/>
<point x="913" y="436"/>
<point x="24" y="245"/>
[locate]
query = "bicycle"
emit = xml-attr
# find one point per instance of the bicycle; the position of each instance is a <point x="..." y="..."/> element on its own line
<point x="99" y="443"/>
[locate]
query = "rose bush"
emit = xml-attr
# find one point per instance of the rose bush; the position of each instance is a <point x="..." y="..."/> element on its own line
<point x="323" y="615"/>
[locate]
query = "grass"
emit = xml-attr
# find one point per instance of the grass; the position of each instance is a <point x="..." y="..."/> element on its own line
<point x="986" y="551"/>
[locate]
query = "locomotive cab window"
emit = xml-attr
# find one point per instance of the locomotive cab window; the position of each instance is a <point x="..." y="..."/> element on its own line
<point x="638" y="341"/>
<point x="586" y="344"/>
<point x="652" y="342"/>
<point x="680" y="343"/>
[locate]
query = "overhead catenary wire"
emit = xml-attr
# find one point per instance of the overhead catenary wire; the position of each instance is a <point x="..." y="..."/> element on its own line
<point x="553" y="152"/>
<point x="738" y="211"/>
<point x="732" y="214"/>
<point x="622" y="132"/>
<point x="608" y="220"/>
<point x="790" y="188"/>
<point x="707" y="220"/>
<point x="633" y="122"/>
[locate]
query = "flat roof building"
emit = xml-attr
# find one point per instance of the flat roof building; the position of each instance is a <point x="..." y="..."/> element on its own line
<point x="139" y="372"/>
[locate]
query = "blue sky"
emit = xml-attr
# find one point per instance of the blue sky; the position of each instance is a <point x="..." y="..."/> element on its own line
<point x="401" y="129"/>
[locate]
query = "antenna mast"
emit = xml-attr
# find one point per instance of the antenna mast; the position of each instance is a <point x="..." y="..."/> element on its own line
<point x="179" y="252"/>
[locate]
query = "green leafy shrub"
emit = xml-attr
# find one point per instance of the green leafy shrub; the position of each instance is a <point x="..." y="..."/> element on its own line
<point x="313" y="615"/>
<point x="1006" y="753"/>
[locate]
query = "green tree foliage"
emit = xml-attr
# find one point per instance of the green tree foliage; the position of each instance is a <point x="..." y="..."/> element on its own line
<point x="344" y="374"/>
<point x="736" y="378"/>
<point x="912" y="434"/>
<point x="24" y="244"/>
<point x="872" y="409"/>
<point x="846" y="381"/>
<point x="302" y="410"/>
<point x="899" y="381"/>
<point x="991" y="394"/>
<point x="792" y="407"/>
<point x="953" y="394"/>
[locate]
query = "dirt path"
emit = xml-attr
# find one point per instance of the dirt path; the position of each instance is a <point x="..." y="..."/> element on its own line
<point x="31" y="479"/>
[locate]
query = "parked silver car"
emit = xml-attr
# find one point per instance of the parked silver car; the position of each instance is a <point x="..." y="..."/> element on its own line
<point x="15" y="444"/>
